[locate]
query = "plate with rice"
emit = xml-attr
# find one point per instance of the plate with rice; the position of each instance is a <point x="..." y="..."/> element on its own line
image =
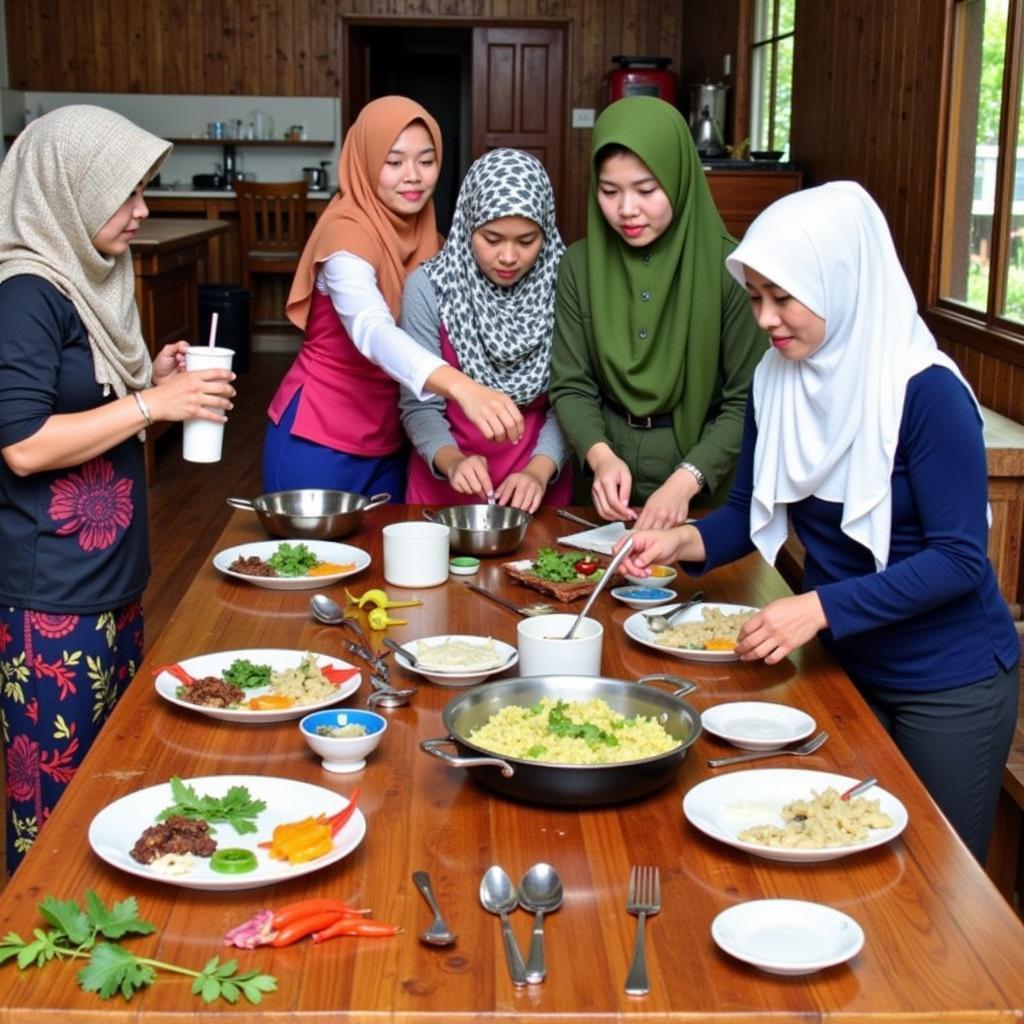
<point x="458" y="660"/>
<point x="793" y="814"/>
<point x="294" y="675"/>
<point x="704" y="632"/>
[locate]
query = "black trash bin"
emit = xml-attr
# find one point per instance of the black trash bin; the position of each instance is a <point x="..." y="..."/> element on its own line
<point x="231" y="303"/>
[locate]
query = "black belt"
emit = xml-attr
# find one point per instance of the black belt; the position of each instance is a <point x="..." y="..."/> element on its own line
<point x="661" y="419"/>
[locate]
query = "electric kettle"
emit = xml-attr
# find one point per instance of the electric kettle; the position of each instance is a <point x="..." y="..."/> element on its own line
<point x="708" y="135"/>
<point x="316" y="177"/>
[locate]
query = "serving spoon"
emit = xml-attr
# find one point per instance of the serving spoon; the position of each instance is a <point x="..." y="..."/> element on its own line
<point x="538" y="608"/>
<point x="658" y="622"/>
<point x="540" y="892"/>
<point x="499" y="896"/>
<point x="601" y="584"/>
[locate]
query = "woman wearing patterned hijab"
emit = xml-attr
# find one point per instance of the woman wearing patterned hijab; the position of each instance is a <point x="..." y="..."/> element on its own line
<point x="485" y="304"/>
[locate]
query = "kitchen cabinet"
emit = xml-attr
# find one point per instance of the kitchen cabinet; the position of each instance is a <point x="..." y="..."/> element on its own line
<point x="741" y="194"/>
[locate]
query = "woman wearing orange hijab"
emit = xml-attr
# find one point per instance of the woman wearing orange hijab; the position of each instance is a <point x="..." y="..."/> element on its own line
<point x="334" y="419"/>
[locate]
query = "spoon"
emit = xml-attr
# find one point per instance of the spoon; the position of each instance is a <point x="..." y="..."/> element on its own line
<point x="438" y="934"/>
<point x="809" y="747"/>
<point x="601" y="583"/>
<point x="391" y="645"/>
<point x="658" y="623"/>
<point x="539" y="608"/>
<point x="860" y="787"/>
<point x="540" y="892"/>
<point x="498" y="895"/>
<point x="330" y="613"/>
<point x="385" y="697"/>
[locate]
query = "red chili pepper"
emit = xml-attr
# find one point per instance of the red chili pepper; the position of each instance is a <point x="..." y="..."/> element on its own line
<point x="177" y="671"/>
<point x="337" y="676"/>
<point x="307" y="908"/>
<point x="337" y="822"/>
<point x="355" y="926"/>
<point x="304" y="926"/>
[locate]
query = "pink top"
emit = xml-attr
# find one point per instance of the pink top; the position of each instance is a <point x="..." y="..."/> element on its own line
<point x="348" y="403"/>
<point x="502" y="458"/>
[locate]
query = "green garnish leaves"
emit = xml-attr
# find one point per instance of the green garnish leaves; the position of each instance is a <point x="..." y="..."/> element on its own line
<point x="236" y="807"/>
<point x="559" y="567"/>
<point x="242" y="672"/>
<point x="120" y="920"/>
<point x="560" y="724"/>
<point x="112" y="969"/>
<point x="68" y="917"/>
<point x="292" y="559"/>
<point x="536" y="751"/>
<point x="220" y="981"/>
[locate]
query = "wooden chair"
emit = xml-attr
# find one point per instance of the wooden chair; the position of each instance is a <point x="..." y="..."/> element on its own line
<point x="272" y="226"/>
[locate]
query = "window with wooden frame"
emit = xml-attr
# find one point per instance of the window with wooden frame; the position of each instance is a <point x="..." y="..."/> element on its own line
<point x="981" y="259"/>
<point x="771" y="74"/>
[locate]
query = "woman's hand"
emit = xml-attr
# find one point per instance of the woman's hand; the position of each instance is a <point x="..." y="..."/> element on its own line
<point x="468" y="475"/>
<point x="781" y="627"/>
<point x="199" y="394"/>
<point x="170" y="361"/>
<point x="651" y="547"/>
<point x="669" y="505"/>
<point x="521" y="490"/>
<point x="492" y="412"/>
<point x="612" y="484"/>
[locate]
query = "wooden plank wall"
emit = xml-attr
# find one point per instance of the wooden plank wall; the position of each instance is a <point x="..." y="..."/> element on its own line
<point x="291" y="48"/>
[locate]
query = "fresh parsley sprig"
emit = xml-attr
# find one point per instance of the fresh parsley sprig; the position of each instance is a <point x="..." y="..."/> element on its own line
<point x="236" y="806"/>
<point x="76" y="934"/>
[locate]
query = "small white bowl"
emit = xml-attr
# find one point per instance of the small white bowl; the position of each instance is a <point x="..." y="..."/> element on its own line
<point x="787" y="936"/>
<point x="506" y="652"/>
<point x="343" y="754"/>
<point x="756" y="724"/>
<point x="652" y="595"/>
<point x="650" y="580"/>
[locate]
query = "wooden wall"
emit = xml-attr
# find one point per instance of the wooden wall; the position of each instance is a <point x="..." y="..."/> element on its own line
<point x="291" y="47"/>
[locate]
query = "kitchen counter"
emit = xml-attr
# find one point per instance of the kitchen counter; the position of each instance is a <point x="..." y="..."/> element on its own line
<point x="940" y="943"/>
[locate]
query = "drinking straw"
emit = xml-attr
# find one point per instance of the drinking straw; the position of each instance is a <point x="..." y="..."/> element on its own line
<point x="213" y="329"/>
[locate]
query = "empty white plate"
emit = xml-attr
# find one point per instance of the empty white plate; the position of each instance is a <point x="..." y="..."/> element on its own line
<point x="757" y="724"/>
<point x="787" y="936"/>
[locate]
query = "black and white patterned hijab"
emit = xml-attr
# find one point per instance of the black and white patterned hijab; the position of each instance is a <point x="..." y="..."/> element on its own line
<point x="502" y="336"/>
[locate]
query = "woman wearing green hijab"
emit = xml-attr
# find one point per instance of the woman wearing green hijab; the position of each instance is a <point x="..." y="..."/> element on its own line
<point x="654" y="343"/>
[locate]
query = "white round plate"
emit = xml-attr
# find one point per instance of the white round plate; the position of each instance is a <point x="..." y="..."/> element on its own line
<point x="723" y="806"/>
<point x="217" y="664"/>
<point x="654" y="581"/>
<point x="505" y="650"/>
<point x="787" y="936"/>
<point x="325" y="551"/>
<point x="637" y="629"/>
<point x="756" y="724"/>
<point x="628" y="595"/>
<point x="116" y="829"/>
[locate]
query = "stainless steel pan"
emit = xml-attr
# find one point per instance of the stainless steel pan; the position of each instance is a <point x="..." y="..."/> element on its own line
<point x="310" y="514"/>
<point x="482" y="530"/>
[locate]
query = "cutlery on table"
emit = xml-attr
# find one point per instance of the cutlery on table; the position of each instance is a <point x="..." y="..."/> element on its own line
<point x="658" y="622"/>
<point x="861" y="787"/>
<point x="642" y="899"/>
<point x="540" y="892"/>
<point x="438" y="934"/>
<point x="805" y="748"/>
<point x="498" y="895"/>
<point x="565" y="514"/>
<point x="391" y="645"/>
<point x="601" y="584"/>
<point x="539" y="608"/>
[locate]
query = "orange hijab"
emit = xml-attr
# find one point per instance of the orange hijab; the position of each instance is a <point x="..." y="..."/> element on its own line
<point x="356" y="221"/>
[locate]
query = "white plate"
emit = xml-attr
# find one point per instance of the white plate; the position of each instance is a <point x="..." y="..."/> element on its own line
<point x="116" y="829"/>
<point x="505" y="650"/>
<point x="627" y="595"/>
<point x="325" y="551"/>
<point x="723" y="806"/>
<point x="637" y="629"/>
<point x="757" y="725"/>
<point x="217" y="664"/>
<point x="787" y="936"/>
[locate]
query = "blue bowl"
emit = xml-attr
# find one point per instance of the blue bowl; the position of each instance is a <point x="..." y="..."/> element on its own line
<point x="348" y="753"/>
<point x="644" y="597"/>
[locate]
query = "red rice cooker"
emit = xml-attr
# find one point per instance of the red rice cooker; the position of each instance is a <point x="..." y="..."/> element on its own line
<point x="642" y="76"/>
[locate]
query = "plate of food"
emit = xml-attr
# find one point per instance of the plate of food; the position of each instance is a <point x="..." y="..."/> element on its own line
<point x="792" y="814"/>
<point x="458" y="659"/>
<point x="704" y="632"/>
<point x="209" y="832"/>
<point x="757" y="724"/>
<point x="291" y="565"/>
<point x="566" y="575"/>
<point x="259" y="685"/>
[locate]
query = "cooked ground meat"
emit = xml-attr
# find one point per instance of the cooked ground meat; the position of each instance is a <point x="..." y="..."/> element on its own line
<point x="251" y="566"/>
<point x="175" y="835"/>
<point x="212" y="692"/>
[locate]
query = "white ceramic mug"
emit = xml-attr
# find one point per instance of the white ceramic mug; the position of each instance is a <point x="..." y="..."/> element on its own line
<point x="202" y="440"/>
<point x="416" y="554"/>
<point x="543" y="652"/>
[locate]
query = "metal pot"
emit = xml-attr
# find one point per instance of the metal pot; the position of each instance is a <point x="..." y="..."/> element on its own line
<point x="568" y="785"/>
<point x="482" y="530"/>
<point x="311" y="514"/>
<point x="316" y="178"/>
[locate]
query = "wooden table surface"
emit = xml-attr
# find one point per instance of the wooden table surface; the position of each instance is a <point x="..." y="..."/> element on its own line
<point x="940" y="943"/>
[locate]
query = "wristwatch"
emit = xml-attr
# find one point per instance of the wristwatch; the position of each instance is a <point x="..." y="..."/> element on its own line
<point x="697" y="474"/>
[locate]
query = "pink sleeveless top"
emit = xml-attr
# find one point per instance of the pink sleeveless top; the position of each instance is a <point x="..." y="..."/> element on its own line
<point x="348" y="403"/>
<point x="502" y="458"/>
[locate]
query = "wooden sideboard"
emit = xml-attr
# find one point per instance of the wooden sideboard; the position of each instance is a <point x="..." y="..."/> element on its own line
<point x="741" y="195"/>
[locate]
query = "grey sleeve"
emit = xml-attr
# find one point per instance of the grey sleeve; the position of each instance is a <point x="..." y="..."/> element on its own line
<point x="551" y="442"/>
<point x="424" y="421"/>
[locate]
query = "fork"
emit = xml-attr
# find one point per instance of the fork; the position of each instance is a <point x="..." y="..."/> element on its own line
<point x="809" y="747"/>
<point x="642" y="898"/>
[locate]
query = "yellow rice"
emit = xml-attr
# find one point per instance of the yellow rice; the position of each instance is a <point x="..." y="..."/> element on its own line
<point x="716" y="625"/>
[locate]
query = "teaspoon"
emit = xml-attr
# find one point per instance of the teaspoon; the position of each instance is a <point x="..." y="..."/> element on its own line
<point x="658" y="623"/>
<point x="438" y="934"/>
<point x="540" y="892"/>
<point x="499" y="896"/>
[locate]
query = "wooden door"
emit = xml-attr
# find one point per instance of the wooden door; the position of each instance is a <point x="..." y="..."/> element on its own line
<point x="519" y="93"/>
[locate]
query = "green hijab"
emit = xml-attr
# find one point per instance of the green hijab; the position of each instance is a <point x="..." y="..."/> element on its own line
<point x="675" y="368"/>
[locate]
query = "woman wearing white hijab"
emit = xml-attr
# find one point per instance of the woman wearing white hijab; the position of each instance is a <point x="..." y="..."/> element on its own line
<point x="77" y="387"/>
<point x="865" y="437"/>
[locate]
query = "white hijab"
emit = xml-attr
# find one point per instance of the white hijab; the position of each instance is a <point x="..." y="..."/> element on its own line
<point x="829" y="424"/>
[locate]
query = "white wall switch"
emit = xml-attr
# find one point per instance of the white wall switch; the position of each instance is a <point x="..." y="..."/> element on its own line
<point x="583" y="117"/>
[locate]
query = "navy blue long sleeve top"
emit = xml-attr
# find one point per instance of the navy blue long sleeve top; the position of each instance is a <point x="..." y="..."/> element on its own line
<point x="934" y="618"/>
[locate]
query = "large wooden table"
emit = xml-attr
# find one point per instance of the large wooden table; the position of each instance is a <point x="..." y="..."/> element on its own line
<point x="941" y="944"/>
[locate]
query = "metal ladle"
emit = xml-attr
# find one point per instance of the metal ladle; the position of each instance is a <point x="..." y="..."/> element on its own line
<point x="601" y="583"/>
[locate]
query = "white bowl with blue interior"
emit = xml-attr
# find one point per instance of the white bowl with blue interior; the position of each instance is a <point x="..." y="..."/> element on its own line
<point x="646" y="596"/>
<point x="343" y="753"/>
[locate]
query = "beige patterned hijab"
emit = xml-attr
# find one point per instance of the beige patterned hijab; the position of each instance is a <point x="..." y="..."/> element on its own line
<point x="63" y="179"/>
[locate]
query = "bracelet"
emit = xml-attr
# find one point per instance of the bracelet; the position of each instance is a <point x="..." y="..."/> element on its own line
<point x="696" y="473"/>
<point x="143" y="408"/>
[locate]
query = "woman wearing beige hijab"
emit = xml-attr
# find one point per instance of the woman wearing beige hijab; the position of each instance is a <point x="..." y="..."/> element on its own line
<point x="334" y="421"/>
<point x="77" y="388"/>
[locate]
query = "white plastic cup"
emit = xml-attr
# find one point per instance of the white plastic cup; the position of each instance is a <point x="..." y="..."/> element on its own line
<point x="544" y="652"/>
<point x="416" y="554"/>
<point x="202" y="440"/>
